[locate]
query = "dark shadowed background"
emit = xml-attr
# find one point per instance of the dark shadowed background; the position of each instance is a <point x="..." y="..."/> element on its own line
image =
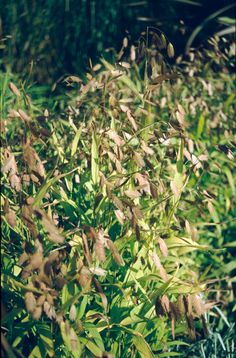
<point x="55" y="37"/>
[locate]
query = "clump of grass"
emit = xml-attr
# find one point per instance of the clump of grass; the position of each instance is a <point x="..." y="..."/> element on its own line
<point x="110" y="206"/>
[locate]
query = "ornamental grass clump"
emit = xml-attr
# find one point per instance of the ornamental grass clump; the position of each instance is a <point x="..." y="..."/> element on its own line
<point x="99" y="235"/>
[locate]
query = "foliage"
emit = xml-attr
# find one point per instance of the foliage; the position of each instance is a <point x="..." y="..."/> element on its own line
<point x="114" y="208"/>
<point x="219" y="343"/>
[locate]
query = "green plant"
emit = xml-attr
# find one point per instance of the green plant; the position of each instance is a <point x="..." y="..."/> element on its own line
<point x="103" y="204"/>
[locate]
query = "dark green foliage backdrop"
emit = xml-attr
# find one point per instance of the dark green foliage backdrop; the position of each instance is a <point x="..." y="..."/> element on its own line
<point x="58" y="36"/>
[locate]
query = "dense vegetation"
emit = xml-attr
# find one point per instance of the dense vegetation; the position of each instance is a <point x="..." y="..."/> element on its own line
<point x="118" y="208"/>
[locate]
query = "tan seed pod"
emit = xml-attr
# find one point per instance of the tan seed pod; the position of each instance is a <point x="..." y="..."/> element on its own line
<point x="37" y="313"/>
<point x="159" y="309"/>
<point x="46" y="113"/>
<point x="99" y="250"/>
<point x="174" y="311"/>
<point x="97" y="67"/>
<point x="209" y="306"/>
<point x="132" y="194"/>
<point x="163" y="41"/>
<point x="132" y="120"/>
<point x="186" y="306"/>
<point x="138" y="160"/>
<point x="23" y="258"/>
<point x="43" y="287"/>
<point x="11" y="218"/>
<point x="120" y="216"/>
<point x="6" y="206"/>
<point x="118" y="203"/>
<point x="9" y="164"/>
<point x="163" y="273"/>
<point x="49" y="310"/>
<point x="165" y="303"/>
<point x="73" y="313"/>
<point x="73" y="340"/>
<point x="30" y="200"/>
<point x="112" y="101"/>
<point x="14" y="89"/>
<point x="49" y="298"/>
<point x="30" y="302"/>
<point x="53" y="233"/>
<point x="191" y="328"/>
<point x="173" y="327"/>
<point x="132" y="53"/>
<point x="59" y="318"/>
<point x="15" y="182"/>
<point x="26" y="179"/>
<point x="24" y="116"/>
<point x="163" y="247"/>
<point x="13" y="114"/>
<point x="53" y="256"/>
<point x="153" y="190"/>
<point x="147" y="149"/>
<point x="137" y="212"/>
<point x="156" y="260"/>
<point x="101" y="293"/>
<point x="190" y="304"/>
<point x="41" y="300"/>
<point x="60" y="282"/>
<point x="47" y="267"/>
<point x="33" y="161"/>
<point x="170" y="50"/>
<point x="180" y="305"/>
<point x="115" y="253"/>
<point x="85" y="277"/>
<point x="124" y="64"/>
<point x="198" y="305"/>
<point x="115" y="137"/>
<point x="115" y="113"/>
<point x="182" y="111"/>
<point x="36" y="260"/>
<point x="125" y="42"/>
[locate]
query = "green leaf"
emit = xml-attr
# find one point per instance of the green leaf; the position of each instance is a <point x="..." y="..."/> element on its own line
<point x="95" y="335"/>
<point x="90" y="345"/>
<point x="82" y="307"/>
<point x="228" y="102"/>
<point x="128" y="82"/>
<point x="36" y="353"/>
<point x="184" y="242"/>
<point x="142" y="347"/>
<point x="179" y="343"/>
<point x="11" y="315"/>
<point x="76" y="141"/>
<point x="180" y="159"/>
<point x="94" y="159"/>
<point x="70" y="339"/>
<point x="200" y="127"/>
<point x="71" y="301"/>
<point x="230" y="179"/>
<point x="204" y="22"/>
<point x="169" y="354"/>
<point x="45" y="335"/>
<point x="107" y="65"/>
<point x="161" y="290"/>
<point x="47" y="184"/>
